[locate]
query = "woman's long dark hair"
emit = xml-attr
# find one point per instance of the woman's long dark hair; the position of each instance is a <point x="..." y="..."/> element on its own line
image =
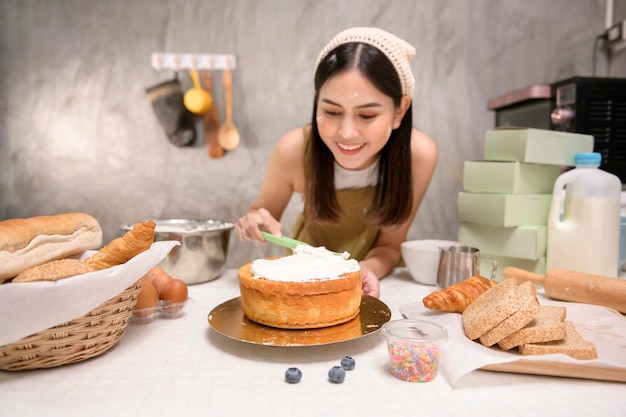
<point x="394" y="192"/>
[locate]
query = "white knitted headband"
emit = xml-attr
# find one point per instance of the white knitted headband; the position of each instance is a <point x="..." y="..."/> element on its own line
<point x="395" y="49"/>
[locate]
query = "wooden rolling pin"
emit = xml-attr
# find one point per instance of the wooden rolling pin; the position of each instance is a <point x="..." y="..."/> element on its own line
<point x="578" y="287"/>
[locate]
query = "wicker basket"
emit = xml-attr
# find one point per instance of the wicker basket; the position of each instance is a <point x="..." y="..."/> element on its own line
<point x="74" y="341"/>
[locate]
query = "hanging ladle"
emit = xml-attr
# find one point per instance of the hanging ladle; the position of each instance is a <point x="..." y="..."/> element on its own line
<point x="196" y="99"/>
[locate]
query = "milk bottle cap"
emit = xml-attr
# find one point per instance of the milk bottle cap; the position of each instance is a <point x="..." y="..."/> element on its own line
<point x="588" y="158"/>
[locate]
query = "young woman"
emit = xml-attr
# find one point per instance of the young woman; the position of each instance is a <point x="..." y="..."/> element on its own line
<point x="360" y="166"/>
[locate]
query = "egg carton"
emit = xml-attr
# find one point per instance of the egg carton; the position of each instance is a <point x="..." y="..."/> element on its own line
<point x="164" y="309"/>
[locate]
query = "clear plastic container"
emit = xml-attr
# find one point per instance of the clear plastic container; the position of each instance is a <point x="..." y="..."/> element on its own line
<point x="583" y="224"/>
<point x="164" y="309"/>
<point x="414" y="348"/>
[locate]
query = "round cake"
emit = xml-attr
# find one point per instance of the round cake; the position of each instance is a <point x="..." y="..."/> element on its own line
<point x="273" y="336"/>
<point x="312" y="288"/>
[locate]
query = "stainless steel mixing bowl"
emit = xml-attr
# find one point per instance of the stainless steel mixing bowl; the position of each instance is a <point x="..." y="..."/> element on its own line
<point x="203" y="249"/>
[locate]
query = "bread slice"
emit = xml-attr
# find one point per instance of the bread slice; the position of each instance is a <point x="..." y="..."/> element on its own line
<point x="573" y="345"/>
<point x="490" y="308"/>
<point x="529" y="307"/>
<point x="548" y="325"/>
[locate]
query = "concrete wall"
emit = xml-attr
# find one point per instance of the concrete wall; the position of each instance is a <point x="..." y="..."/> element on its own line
<point x="77" y="132"/>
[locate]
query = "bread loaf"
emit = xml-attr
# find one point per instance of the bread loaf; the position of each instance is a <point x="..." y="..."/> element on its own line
<point x="511" y="315"/>
<point x="25" y="243"/>
<point x="53" y="271"/>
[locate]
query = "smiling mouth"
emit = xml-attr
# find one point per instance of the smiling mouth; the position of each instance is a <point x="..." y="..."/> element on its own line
<point x="350" y="147"/>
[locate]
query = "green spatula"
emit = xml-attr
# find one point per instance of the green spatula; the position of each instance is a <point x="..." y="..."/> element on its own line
<point x="282" y="240"/>
<point x="287" y="242"/>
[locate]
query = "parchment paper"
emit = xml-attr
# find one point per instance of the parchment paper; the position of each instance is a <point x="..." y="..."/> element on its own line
<point x="30" y="307"/>
<point x="604" y="327"/>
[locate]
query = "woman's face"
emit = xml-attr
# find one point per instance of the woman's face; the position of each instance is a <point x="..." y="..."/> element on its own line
<point x="355" y="119"/>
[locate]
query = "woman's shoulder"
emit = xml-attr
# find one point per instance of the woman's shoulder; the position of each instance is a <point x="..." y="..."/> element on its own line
<point x="289" y="149"/>
<point x="292" y="140"/>
<point x="423" y="147"/>
<point x="424" y="156"/>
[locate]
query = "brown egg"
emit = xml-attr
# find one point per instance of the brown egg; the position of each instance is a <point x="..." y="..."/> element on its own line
<point x="147" y="300"/>
<point x="174" y="295"/>
<point x="159" y="278"/>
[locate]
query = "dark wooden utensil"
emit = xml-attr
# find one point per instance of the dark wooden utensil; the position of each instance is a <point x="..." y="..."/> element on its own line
<point x="211" y="121"/>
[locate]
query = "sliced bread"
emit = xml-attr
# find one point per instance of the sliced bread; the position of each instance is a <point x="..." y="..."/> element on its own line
<point x="548" y="325"/>
<point x="490" y="308"/>
<point x="573" y="345"/>
<point x="529" y="307"/>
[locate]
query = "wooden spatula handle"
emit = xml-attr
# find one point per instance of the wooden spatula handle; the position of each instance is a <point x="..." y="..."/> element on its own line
<point x="523" y="275"/>
<point x="211" y="121"/>
<point x="228" y="94"/>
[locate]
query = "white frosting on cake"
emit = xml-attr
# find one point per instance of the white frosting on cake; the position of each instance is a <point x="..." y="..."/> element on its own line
<point x="307" y="263"/>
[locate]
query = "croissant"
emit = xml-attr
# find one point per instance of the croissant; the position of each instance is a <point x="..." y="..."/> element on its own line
<point x="120" y="250"/>
<point x="457" y="297"/>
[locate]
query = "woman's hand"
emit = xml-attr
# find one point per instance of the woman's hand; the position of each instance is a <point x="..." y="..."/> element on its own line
<point x="371" y="283"/>
<point x="249" y="226"/>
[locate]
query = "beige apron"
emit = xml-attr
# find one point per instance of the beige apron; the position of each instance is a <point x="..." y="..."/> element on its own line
<point x="352" y="233"/>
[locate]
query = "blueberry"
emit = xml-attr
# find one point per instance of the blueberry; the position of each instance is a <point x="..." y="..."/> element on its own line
<point x="336" y="374"/>
<point x="348" y="363"/>
<point x="293" y="375"/>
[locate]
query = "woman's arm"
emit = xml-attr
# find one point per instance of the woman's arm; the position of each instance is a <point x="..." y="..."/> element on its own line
<point x="284" y="175"/>
<point x="385" y="254"/>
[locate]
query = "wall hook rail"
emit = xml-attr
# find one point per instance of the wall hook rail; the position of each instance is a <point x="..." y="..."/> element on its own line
<point x="176" y="61"/>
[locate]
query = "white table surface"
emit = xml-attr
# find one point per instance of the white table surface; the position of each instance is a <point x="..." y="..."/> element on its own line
<point x="182" y="367"/>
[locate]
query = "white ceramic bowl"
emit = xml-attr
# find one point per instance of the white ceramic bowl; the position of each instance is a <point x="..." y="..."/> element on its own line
<point x="422" y="258"/>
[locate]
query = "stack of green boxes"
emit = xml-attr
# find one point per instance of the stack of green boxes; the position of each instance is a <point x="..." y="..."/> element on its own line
<point x="503" y="208"/>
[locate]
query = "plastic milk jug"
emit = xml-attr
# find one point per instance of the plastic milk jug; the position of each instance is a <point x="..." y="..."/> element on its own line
<point x="584" y="219"/>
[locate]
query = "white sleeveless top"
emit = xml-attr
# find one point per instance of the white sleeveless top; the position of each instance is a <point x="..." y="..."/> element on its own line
<point x="347" y="179"/>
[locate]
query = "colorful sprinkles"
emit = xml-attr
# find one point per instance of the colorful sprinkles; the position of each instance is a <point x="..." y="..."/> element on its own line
<point x="413" y="362"/>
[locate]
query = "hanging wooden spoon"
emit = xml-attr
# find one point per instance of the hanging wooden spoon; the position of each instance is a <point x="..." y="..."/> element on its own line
<point x="211" y="120"/>
<point x="228" y="135"/>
